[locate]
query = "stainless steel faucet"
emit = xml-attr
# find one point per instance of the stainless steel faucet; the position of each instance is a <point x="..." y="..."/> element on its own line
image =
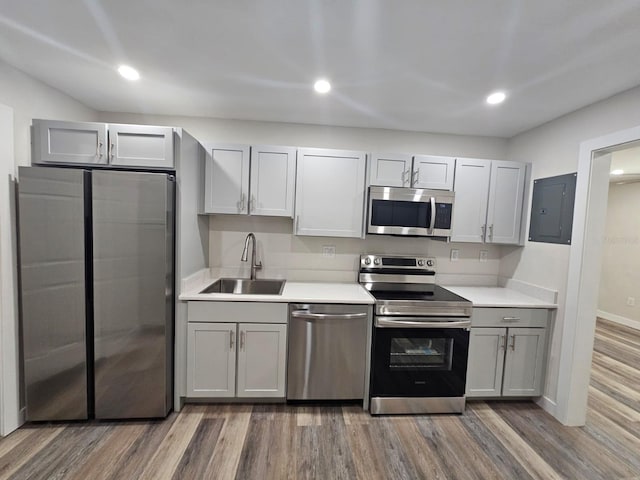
<point x="254" y="265"/>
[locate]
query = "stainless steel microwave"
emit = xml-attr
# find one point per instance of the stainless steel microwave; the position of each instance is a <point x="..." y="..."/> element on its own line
<point x="410" y="211"/>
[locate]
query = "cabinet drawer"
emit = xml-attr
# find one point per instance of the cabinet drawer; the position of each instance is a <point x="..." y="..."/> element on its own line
<point x="236" y="312"/>
<point x="509" y="317"/>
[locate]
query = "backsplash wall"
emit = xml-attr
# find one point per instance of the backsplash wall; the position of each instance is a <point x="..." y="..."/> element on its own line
<point x="300" y="258"/>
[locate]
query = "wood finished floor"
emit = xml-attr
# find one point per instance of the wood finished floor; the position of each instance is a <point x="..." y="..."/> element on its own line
<point x="503" y="440"/>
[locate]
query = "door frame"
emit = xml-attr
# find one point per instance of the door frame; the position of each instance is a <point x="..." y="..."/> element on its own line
<point x="9" y="390"/>
<point x="584" y="274"/>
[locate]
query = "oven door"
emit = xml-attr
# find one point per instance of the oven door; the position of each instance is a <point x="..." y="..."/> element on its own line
<point x="418" y="361"/>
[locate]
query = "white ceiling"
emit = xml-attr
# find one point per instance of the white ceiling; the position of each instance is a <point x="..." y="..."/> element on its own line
<point x="400" y="64"/>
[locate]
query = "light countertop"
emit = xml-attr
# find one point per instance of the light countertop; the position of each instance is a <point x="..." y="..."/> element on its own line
<point x="498" y="297"/>
<point x="293" y="292"/>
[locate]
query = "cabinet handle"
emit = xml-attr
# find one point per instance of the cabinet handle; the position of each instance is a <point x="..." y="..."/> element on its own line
<point x="415" y="176"/>
<point x="503" y="343"/>
<point x="112" y="151"/>
<point x="230" y="339"/>
<point x="99" y="149"/>
<point x="482" y="229"/>
<point x="491" y="231"/>
<point x="241" y="202"/>
<point x="513" y="343"/>
<point x="241" y="340"/>
<point x="510" y="319"/>
<point x="404" y="173"/>
<point x="252" y="204"/>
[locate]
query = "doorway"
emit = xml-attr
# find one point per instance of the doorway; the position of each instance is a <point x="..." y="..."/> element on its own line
<point x="584" y="273"/>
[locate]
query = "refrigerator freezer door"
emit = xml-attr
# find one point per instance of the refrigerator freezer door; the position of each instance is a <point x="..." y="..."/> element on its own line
<point x="133" y="294"/>
<point x="52" y="274"/>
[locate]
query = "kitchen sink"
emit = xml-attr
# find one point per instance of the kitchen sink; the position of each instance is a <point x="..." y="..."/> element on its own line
<point x="245" y="286"/>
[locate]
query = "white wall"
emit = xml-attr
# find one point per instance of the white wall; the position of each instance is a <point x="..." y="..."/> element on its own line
<point x="620" y="276"/>
<point x="553" y="150"/>
<point x="30" y="99"/>
<point x="25" y="98"/>
<point x="300" y="258"/>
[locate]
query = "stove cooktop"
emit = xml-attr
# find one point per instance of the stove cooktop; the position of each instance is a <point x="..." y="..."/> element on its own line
<point x="417" y="293"/>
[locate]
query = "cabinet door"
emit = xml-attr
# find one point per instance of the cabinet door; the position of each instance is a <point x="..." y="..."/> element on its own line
<point x="226" y="179"/>
<point x="523" y="369"/>
<point x="69" y="142"/>
<point x="273" y="177"/>
<point x="211" y="359"/>
<point x="506" y="194"/>
<point x="390" y="170"/>
<point x="471" y="187"/>
<point x="486" y="362"/>
<point x="330" y="193"/>
<point x="262" y="359"/>
<point x="433" y="172"/>
<point x="141" y="146"/>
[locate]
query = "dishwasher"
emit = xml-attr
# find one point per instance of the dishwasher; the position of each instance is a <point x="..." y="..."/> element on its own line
<point x="327" y="351"/>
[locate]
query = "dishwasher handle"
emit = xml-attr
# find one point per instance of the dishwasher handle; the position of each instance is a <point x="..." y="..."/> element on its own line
<point x="307" y="315"/>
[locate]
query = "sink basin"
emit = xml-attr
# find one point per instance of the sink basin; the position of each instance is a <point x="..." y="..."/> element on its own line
<point x="245" y="286"/>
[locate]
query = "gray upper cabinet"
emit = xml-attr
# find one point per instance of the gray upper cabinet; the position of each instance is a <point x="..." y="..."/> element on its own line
<point x="419" y="171"/>
<point x="390" y="169"/>
<point x="258" y="180"/>
<point x="273" y="177"/>
<point x="330" y="193"/>
<point x="69" y="143"/>
<point x="435" y="173"/>
<point x="226" y="178"/>
<point x="141" y="146"/>
<point x="126" y="146"/>
<point x="489" y="198"/>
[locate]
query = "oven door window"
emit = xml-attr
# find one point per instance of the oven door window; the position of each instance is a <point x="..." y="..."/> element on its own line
<point x="421" y="353"/>
<point x="419" y="362"/>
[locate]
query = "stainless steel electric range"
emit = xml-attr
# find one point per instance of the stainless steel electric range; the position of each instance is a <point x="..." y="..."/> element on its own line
<point x="420" y="337"/>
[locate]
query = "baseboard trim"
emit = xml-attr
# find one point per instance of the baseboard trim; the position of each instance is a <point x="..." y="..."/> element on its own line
<point x="612" y="317"/>
<point x="547" y="405"/>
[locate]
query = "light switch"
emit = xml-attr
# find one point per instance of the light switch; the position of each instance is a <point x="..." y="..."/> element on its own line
<point x="454" y="255"/>
<point x="484" y="254"/>
<point x="328" y="251"/>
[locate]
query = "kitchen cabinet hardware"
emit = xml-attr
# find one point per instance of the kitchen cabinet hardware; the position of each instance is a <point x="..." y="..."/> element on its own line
<point x="503" y="343"/>
<point x="513" y="343"/>
<point x="491" y="232"/>
<point x="242" y="340"/>
<point x="510" y="319"/>
<point x="230" y="339"/>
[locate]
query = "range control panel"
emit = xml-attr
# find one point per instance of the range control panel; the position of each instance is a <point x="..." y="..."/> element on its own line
<point x="397" y="262"/>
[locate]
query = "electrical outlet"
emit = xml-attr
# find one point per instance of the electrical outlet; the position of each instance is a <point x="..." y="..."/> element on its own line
<point x="484" y="254"/>
<point x="328" y="251"/>
<point x="454" y="255"/>
<point x="631" y="301"/>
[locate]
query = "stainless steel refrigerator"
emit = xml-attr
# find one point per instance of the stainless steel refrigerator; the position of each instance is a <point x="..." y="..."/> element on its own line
<point x="97" y="303"/>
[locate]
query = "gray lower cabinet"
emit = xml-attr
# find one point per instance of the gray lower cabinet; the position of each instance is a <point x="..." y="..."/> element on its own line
<point x="234" y="358"/>
<point x="507" y="361"/>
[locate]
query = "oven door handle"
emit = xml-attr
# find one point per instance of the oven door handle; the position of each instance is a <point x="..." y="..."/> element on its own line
<point x="390" y="322"/>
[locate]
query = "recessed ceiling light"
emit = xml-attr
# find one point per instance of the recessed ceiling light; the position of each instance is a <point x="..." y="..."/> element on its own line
<point x="322" y="86"/>
<point x="128" y="72"/>
<point x="496" y="97"/>
<point x="617" y="172"/>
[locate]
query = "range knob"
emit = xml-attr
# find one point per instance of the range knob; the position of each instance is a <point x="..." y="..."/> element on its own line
<point x="430" y="263"/>
<point x="421" y="263"/>
<point x="367" y="261"/>
<point x="376" y="261"/>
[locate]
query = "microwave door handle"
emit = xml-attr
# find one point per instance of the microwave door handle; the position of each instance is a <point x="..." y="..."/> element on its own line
<point x="433" y="214"/>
